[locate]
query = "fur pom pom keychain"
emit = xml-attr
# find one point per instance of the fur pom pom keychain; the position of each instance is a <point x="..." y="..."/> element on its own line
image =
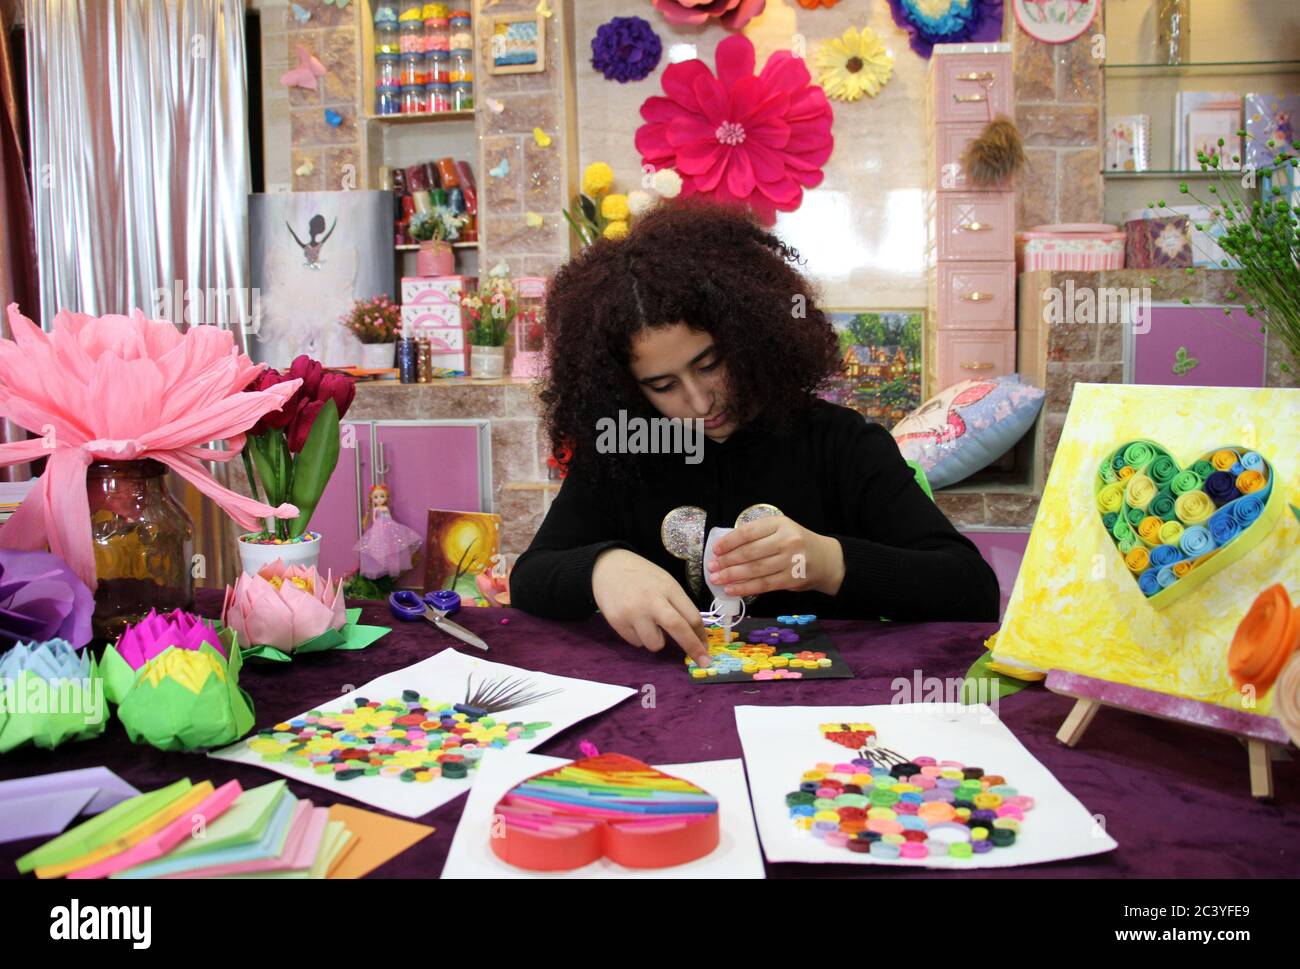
<point x="996" y="155"/>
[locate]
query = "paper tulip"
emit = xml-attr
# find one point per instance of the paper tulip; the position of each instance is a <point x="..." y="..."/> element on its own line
<point x="283" y="607"/>
<point x="41" y="598"/>
<point x="122" y="388"/>
<point x="148" y="638"/>
<point x="49" y="693"/>
<point x="188" y="699"/>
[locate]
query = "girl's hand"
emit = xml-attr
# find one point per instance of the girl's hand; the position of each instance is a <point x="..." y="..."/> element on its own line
<point x="776" y="553"/>
<point x="642" y="602"/>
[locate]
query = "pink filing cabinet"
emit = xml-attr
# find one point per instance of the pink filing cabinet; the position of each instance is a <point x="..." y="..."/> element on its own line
<point x="971" y="229"/>
<point x="426" y="464"/>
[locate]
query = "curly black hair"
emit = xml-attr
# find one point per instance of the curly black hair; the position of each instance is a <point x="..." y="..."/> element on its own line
<point x="710" y="266"/>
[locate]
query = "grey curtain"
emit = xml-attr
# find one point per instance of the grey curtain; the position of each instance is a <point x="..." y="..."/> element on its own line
<point x="140" y="148"/>
<point x="139" y="138"/>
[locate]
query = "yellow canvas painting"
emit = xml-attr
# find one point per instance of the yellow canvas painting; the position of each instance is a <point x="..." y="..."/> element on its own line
<point x="1164" y="516"/>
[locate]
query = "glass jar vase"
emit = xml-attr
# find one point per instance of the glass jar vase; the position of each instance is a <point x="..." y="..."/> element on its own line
<point x="143" y="540"/>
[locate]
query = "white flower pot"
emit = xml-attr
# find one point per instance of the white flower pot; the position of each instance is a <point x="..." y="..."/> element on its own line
<point x="255" y="556"/>
<point x="487" y="363"/>
<point x="378" y="356"/>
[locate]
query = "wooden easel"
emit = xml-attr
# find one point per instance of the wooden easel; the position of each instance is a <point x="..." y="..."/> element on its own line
<point x="1263" y="736"/>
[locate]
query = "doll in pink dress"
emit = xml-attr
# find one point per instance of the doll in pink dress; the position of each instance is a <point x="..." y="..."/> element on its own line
<point x="386" y="546"/>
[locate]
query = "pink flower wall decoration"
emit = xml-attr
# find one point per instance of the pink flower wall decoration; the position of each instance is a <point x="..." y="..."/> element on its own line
<point x="756" y="140"/>
<point x="732" y="14"/>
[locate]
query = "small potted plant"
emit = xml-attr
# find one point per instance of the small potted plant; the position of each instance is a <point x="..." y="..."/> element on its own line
<point x="376" y="322"/>
<point x="435" y="230"/>
<point x="294" y="451"/>
<point x="489" y="311"/>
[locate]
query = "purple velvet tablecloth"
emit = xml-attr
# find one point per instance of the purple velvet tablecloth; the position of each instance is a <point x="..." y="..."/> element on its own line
<point x="1176" y="798"/>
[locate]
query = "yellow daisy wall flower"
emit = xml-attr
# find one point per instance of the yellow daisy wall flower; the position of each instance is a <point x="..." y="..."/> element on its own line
<point x="616" y="230"/>
<point x="597" y="179"/>
<point x="614" y="207"/>
<point x="853" y="64"/>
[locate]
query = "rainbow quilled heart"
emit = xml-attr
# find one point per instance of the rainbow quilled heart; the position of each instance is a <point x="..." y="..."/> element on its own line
<point x="608" y="806"/>
<point x="1175" y="527"/>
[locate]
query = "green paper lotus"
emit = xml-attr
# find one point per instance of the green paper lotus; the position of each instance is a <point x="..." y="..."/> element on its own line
<point x="123" y="660"/>
<point x="188" y="699"/>
<point x="49" y="694"/>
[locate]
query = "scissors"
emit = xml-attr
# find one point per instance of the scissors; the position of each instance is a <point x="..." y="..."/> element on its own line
<point x="408" y="606"/>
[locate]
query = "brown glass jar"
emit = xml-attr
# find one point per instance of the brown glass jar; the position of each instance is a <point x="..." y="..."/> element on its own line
<point x="144" y="540"/>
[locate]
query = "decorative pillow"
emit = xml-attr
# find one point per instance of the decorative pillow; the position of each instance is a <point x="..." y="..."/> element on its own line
<point x="968" y="426"/>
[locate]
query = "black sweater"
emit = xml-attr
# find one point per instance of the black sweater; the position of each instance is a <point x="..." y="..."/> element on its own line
<point x="837" y="475"/>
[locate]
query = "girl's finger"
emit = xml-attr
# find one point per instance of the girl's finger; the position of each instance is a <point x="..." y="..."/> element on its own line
<point x="651" y="636"/>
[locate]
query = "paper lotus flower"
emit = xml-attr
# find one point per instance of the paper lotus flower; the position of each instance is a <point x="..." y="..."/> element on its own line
<point x="188" y="699"/>
<point x="930" y="22"/>
<point x="49" y="693"/>
<point x="122" y="388"/>
<point x="148" y="638"/>
<point x="757" y="140"/>
<point x="286" y="609"/>
<point x="41" y="598"/>
<point x="732" y="14"/>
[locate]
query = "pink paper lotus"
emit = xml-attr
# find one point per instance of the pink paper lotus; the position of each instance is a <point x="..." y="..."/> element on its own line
<point x="122" y="388"/>
<point x="155" y="633"/>
<point x="737" y="137"/>
<point x="283" y="606"/>
<point x="732" y="14"/>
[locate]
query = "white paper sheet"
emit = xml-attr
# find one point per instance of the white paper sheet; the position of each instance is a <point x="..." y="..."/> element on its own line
<point x="737" y="854"/>
<point x="780" y="743"/>
<point x="444" y="677"/>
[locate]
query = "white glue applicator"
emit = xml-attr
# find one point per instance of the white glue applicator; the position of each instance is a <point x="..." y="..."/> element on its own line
<point x="727" y="610"/>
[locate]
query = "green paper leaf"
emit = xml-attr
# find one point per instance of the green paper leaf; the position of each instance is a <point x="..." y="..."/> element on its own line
<point x="314" y="465"/>
<point x="351" y="637"/>
<point x="353" y="614"/>
<point x="995" y="685"/>
<point x="118" y="676"/>
<point x="262" y="448"/>
<point x="359" y="637"/>
<point x="1295" y="511"/>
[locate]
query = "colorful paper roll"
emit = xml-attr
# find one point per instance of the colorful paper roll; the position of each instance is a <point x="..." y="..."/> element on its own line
<point x="1135" y="516"/>
<point x="1253" y="461"/>
<point x="1222" y="488"/>
<point x="1123" y="530"/>
<point x="1107" y="472"/>
<point x="1138" y="560"/>
<point x="1251" y="481"/>
<point x="1162" y="505"/>
<point x="1194" y="507"/>
<point x="1111" y="498"/>
<point x="1223" y="526"/>
<point x="1162" y="469"/>
<point x="1185" y="482"/>
<point x="1171" y="533"/>
<point x="1166" y="577"/>
<point x="1196" y="541"/>
<point x="1140" y="490"/>
<point x="1203" y="469"/>
<point x="1149" y="583"/>
<point x="1128" y="544"/>
<point x="1149" y="530"/>
<point x="1225" y="459"/>
<point x="1246" y="509"/>
<point x="1126" y="472"/>
<point x="1165" y="555"/>
<point x="1109" y="519"/>
<point x="1139" y="454"/>
<point x="1265" y="639"/>
<point x="1183" y="567"/>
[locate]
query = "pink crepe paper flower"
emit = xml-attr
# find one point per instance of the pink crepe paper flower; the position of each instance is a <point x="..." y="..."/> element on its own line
<point x="283" y="606"/>
<point x="122" y="388"/>
<point x="737" y="137"/>
<point x="155" y="633"/>
<point x="732" y="14"/>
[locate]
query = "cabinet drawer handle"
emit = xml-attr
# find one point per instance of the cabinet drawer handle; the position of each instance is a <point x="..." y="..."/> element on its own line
<point x="976" y="297"/>
<point x="976" y="365"/>
<point x="967" y="98"/>
<point x="976" y="76"/>
<point x="975" y="226"/>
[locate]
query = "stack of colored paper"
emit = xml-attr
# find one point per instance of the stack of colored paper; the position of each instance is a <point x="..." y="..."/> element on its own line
<point x="190" y="830"/>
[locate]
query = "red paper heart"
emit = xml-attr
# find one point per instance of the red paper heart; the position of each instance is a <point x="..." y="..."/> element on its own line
<point x="610" y="806"/>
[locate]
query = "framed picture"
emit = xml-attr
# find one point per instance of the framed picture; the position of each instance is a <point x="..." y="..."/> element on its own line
<point x="518" y="43"/>
<point x="880" y="352"/>
<point x="458" y="546"/>
<point x="1055" y="21"/>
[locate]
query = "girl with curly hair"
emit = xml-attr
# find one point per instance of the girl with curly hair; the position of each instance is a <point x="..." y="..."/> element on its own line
<point x="699" y="316"/>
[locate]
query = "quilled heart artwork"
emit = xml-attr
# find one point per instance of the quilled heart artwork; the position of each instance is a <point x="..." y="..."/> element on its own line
<point x="898" y="809"/>
<point x="409" y="738"/>
<point x="607" y="806"/>
<point x="1176" y="527"/>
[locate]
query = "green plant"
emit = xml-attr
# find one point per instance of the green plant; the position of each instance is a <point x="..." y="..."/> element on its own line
<point x="490" y="310"/>
<point x="1261" y="235"/>
<point x="440" y="224"/>
<point x="374" y="320"/>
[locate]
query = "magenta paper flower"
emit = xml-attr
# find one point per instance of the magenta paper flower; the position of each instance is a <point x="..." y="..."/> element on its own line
<point x="732" y="14"/>
<point x="122" y="388"/>
<point x="283" y="607"/>
<point x="737" y="137"/>
<point x="149" y="638"/>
